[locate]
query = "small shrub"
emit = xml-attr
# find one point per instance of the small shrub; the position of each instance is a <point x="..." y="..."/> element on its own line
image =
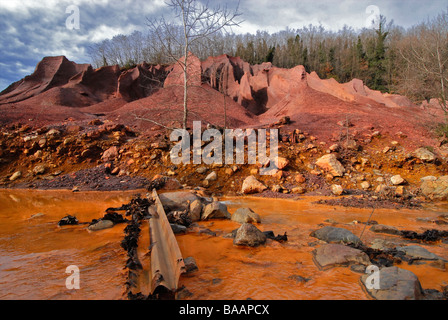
<point x="441" y="129"/>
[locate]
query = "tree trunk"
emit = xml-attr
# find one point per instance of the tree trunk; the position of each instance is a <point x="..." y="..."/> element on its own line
<point x="185" y="119"/>
<point x="185" y="91"/>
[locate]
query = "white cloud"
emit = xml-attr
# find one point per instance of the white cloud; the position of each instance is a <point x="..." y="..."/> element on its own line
<point x="27" y="7"/>
<point x="24" y="69"/>
<point x="32" y="29"/>
<point x="106" y="32"/>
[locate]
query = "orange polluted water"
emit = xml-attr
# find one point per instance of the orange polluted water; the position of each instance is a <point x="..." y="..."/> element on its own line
<point x="286" y="270"/>
<point x="35" y="252"/>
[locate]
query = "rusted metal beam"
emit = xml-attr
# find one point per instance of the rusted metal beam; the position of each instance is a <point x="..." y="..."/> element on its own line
<point x="167" y="263"/>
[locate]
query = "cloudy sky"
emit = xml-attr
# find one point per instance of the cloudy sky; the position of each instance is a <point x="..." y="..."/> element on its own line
<point x="33" y="29"/>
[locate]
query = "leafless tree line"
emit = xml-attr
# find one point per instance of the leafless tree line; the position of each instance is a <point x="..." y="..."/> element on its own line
<point x="409" y="61"/>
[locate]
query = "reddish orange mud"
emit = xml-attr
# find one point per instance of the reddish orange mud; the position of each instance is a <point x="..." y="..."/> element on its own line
<point x="34" y="253"/>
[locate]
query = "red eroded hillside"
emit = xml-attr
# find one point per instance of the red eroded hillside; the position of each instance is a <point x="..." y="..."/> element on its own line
<point x="61" y="90"/>
<point x="319" y="106"/>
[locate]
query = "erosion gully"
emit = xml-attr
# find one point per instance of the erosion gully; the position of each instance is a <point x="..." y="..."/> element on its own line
<point x="35" y="251"/>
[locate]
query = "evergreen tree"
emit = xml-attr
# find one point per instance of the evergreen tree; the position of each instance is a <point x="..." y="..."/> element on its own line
<point x="377" y="59"/>
<point x="270" y="55"/>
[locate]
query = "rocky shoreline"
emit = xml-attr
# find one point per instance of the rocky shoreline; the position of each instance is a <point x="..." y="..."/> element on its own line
<point x="104" y="156"/>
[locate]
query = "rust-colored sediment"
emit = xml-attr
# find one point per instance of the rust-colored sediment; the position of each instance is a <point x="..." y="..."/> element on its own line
<point x="35" y="252"/>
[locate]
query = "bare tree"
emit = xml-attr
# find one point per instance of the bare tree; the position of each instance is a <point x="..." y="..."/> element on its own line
<point x="426" y="53"/>
<point x="198" y="23"/>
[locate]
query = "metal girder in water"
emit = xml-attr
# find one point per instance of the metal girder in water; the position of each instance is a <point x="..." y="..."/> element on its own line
<point x="167" y="263"/>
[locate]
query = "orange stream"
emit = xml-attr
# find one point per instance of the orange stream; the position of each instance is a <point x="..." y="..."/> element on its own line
<point x="34" y="252"/>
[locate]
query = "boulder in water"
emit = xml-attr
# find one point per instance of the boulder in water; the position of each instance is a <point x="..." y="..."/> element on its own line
<point x="336" y="255"/>
<point x="249" y="235"/>
<point x="395" y="284"/>
<point x="100" y="225"/>
<point x="335" y="235"/>
<point x="245" y="215"/>
<point x="215" y="210"/>
<point x="68" y="220"/>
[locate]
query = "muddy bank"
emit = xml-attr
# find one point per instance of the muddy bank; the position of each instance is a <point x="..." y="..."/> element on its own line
<point x="106" y="156"/>
<point x="98" y="178"/>
<point x="372" y="202"/>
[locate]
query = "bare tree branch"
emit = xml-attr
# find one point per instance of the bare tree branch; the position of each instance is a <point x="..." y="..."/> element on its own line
<point x="198" y="23"/>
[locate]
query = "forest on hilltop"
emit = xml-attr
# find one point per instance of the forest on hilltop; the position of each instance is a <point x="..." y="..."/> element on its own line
<point x="412" y="62"/>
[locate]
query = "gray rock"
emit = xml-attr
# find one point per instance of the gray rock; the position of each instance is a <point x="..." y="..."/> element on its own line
<point x="439" y="264"/>
<point x="433" y="294"/>
<point x="330" y="163"/>
<point x="358" y="268"/>
<point x="212" y="176"/>
<point x="351" y="145"/>
<point x="53" y="132"/>
<point x="215" y="210"/>
<point x="249" y="235"/>
<point x="195" y="210"/>
<point x="177" y="228"/>
<point x="428" y="178"/>
<point x="365" y="185"/>
<point x="424" y="154"/>
<point x="417" y="252"/>
<point x="42" y="142"/>
<point x="100" y="225"/>
<point x="252" y="185"/>
<point x="381" y="244"/>
<point x="207" y="232"/>
<point x="245" y="215"/>
<point x="382" y="189"/>
<point x="381" y="228"/>
<point x="395" y="284"/>
<point x="337" y="255"/>
<point x="173" y="201"/>
<point x="190" y="264"/>
<point x="435" y="189"/>
<point x="397" y="180"/>
<point x="337" y="189"/>
<point x="110" y="154"/>
<point x="201" y="170"/>
<point x="335" y="235"/>
<point x="39" y="169"/>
